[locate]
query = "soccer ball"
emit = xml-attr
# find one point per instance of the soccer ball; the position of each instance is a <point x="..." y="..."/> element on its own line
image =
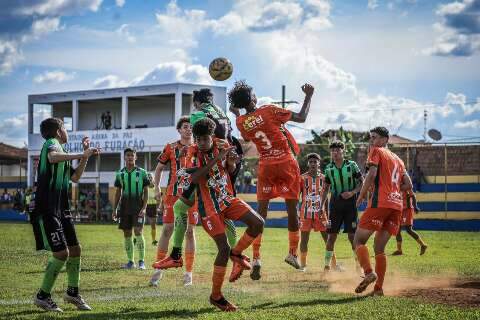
<point x="220" y="69"/>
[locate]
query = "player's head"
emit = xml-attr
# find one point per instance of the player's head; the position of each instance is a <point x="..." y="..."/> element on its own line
<point x="184" y="127"/>
<point x="336" y="150"/>
<point x="130" y="156"/>
<point x="203" y="132"/>
<point x="313" y="161"/>
<point x="53" y="128"/>
<point x="379" y="136"/>
<point x="241" y="96"/>
<point x="202" y="96"/>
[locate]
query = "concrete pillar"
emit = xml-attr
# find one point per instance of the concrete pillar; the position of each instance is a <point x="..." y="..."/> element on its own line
<point x="75" y="115"/>
<point x="124" y="113"/>
<point x="30" y="118"/>
<point x="178" y="106"/>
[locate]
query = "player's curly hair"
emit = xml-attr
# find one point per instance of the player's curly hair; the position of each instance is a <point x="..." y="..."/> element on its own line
<point x="240" y="95"/>
<point x="49" y="127"/>
<point x="314" y="155"/>
<point x="182" y="120"/>
<point x="202" y="95"/>
<point x="204" y="127"/>
<point x="381" y="131"/>
<point x="337" y="144"/>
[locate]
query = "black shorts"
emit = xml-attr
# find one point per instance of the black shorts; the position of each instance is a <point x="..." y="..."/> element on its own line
<point x="152" y="210"/>
<point x="129" y="221"/>
<point x="53" y="233"/>
<point x="342" y="212"/>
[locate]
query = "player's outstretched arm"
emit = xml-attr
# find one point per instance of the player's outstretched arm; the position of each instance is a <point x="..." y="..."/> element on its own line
<point x="302" y="115"/>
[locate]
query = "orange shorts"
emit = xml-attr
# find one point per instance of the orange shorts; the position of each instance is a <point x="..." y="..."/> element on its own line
<point x="377" y="219"/>
<point x="169" y="216"/>
<point x="318" y="224"/>
<point x="407" y="217"/>
<point x="213" y="222"/>
<point x="278" y="180"/>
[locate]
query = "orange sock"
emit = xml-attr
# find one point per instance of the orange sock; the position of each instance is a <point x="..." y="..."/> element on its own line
<point x="189" y="258"/>
<point x="293" y="238"/>
<point x="303" y="258"/>
<point x="334" y="260"/>
<point x="242" y="244"/>
<point x="256" y="246"/>
<point x="160" y="254"/>
<point x="380" y="269"/>
<point x="217" y="281"/>
<point x="364" y="258"/>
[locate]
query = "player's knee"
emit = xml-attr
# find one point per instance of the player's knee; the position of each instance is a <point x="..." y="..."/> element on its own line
<point x="224" y="250"/>
<point x="75" y="251"/>
<point x="138" y="232"/>
<point x="61" y="255"/>
<point x="127" y="233"/>
<point x="167" y="230"/>
<point x="189" y="234"/>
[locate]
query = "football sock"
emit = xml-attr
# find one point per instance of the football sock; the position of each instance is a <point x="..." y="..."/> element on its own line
<point x="334" y="260"/>
<point x="176" y="253"/>
<point x="328" y="258"/>
<point x="364" y="258"/>
<point x="380" y="269"/>
<point x="189" y="259"/>
<point x="303" y="258"/>
<point x="73" y="271"/>
<point x="72" y="291"/>
<point x="293" y="238"/>
<point x="180" y="210"/>
<point x="399" y="245"/>
<point x="140" y="247"/>
<point x="231" y="232"/>
<point x="129" y="248"/>
<point x="54" y="266"/>
<point x="153" y="232"/>
<point x="256" y="246"/>
<point x="160" y="254"/>
<point x="244" y="242"/>
<point x="217" y="281"/>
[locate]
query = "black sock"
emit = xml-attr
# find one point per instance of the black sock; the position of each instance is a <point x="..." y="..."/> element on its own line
<point x="176" y="253"/>
<point x="72" y="291"/>
<point x="42" y="294"/>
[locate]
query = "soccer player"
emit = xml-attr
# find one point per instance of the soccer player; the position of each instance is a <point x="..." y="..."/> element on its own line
<point x="52" y="221"/>
<point x="152" y="210"/>
<point x="278" y="171"/>
<point x="345" y="181"/>
<point x="409" y="207"/>
<point x="388" y="177"/>
<point x="130" y="204"/>
<point x="312" y="214"/>
<point x="175" y="155"/>
<point x="216" y="202"/>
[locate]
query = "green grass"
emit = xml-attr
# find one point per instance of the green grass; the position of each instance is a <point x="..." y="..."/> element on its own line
<point x="283" y="293"/>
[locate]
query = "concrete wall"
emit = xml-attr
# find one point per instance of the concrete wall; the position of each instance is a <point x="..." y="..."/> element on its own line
<point x="90" y="112"/>
<point x="153" y="111"/>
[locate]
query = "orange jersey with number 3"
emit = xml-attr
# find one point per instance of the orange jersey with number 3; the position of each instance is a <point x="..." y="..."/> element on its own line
<point x="390" y="170"/>
<point x="266" y="128"/>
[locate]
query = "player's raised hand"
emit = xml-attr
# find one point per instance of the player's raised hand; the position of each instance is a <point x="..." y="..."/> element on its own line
<point x="85" y="143"/>
<point x="223" y="152"/>
<point x="308" y="89"/>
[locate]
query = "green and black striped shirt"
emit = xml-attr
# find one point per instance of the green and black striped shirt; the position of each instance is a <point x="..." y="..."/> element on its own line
<point x="342" y="179"/>
<point x="131" y="183"/>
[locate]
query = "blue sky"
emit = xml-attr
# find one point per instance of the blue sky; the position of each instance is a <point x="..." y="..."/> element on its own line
<point x="371" y="62"/>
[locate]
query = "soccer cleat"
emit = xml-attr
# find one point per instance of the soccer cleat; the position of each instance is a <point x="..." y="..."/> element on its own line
<point x="256" y="267"/>
<point x="326" y="269"/>
<point x="292" y="260"/>
<point x="154" y="243"/>
<point x="423" y="249"/>
<point x="168" y="263"/>
<point x="129" y="265"/>
<point x="339" y="268"/>
<point x="303" y="269"/>
<point x="157" y="275"/>
<point x="376" y="293"/>
<point x="367" y="280"/>
<point x="46" y="304"/>
<point x="242" y="259"/>
<point x="237" y="270"/>
<point x="77" y="301"/>
<point x="397" y="253"/>
<point x="141" y="265"/>
<point x="223" y="304"/>
<point x="187" y="279"/>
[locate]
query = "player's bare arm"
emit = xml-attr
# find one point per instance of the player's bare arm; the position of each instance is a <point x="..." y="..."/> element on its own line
<point x="349" y="194"/>
<point x="83" y="163"/>
<point x="116" y="201"/>
<point x="302" y="115"/>
<point x="157" y="178"/>
<point x="234" y="110"/>
<point x="143" y="210"/>
<point x="406" y="182"/>
<point x="369" y="180"/>
<point x="201" y="172"/>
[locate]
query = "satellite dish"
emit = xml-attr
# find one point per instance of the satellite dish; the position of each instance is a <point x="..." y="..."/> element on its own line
<point x="435" y="134"/>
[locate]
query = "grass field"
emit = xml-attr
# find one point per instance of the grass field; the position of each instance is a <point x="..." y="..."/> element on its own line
<point x="416" y="286"/>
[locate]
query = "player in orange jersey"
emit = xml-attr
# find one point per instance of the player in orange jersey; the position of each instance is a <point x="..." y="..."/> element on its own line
<point x="212" y="160"/>
<point x="312" y="215"/>
<point x="278" y="171"/>
<point x="409" y="208"/>
<point x="174" y="155"/>
<point x="388" y="176"/>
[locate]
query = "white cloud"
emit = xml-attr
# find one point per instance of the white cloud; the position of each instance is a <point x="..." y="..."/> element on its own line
<point x="174" y="72"/>
<point x="56" y="7"/>
<point x="460" y="100"/>
<point x="13" y="130"/>
<point x="372" y="4"/>
<point x="124" y="32"/>
<point x="120" y="3"/>
<point x="109" y="81"/>
<point x="43" y="27"/>
<point x="53" y="76"/>
<point x="10" y="55"/>
<point x="472" y="124"/>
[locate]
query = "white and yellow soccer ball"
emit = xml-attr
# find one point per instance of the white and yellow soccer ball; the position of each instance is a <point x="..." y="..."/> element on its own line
<point x="220" y="69"/>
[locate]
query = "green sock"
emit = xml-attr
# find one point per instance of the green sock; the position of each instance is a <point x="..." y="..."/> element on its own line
<point x="180" y="210"/>
<point x="328" y="258"/>
<point x="141" y="247"/>
<point x="54" y="266"/>
<point x="73" y="271"/>
<point x="129" y="248"/>
<point x="231" y="232"/>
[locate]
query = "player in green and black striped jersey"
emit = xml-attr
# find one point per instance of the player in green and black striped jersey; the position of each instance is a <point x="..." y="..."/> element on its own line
<point x="131" y="199"/>
<point x="51" y="219"/>
<point x="345" y="180"/>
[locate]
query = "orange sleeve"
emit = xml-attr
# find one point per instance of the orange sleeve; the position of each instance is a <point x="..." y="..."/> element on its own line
<point x="373" y="157"/>
<point x="164" y="157"/>
<point x="280" y="115"/>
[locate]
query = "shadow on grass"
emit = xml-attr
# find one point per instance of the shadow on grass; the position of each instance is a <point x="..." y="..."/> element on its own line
<point x="138" y="314"/>
<point x="270" y="305"/>
<point x="96" y="269"/>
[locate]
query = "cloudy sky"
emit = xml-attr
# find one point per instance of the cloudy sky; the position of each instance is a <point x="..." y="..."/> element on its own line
<point x="372" y="62"/>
